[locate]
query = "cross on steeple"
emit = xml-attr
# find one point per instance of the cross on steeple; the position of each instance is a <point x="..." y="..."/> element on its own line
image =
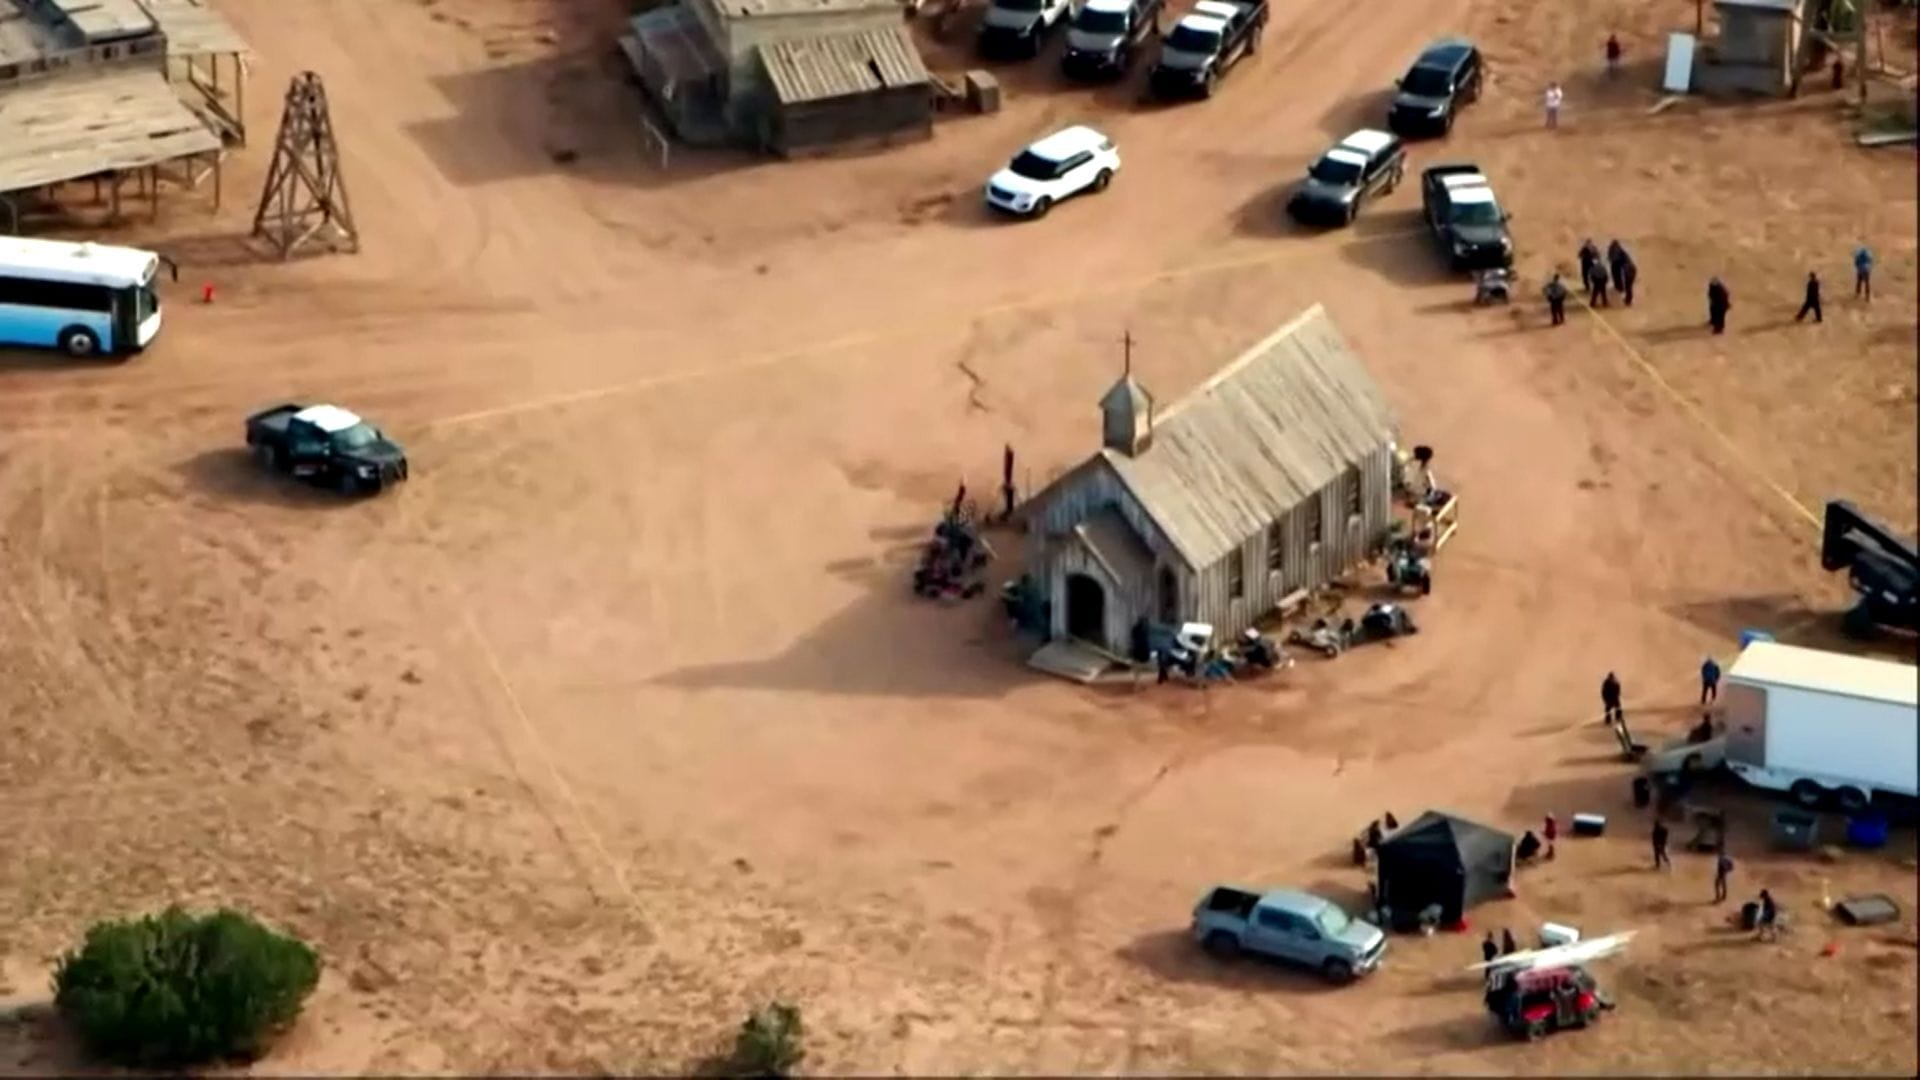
<point x="1126" y="347"/>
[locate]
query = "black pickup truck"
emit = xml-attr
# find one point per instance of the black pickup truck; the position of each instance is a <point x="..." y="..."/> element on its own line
<point x="1204" y="45"/>
<point x="1104" y="35"/>
<point x="1468" y="225"/>
<point x="325" y="444"/>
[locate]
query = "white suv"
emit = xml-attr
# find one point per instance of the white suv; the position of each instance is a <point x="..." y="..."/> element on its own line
<point x="1057" y="167"/>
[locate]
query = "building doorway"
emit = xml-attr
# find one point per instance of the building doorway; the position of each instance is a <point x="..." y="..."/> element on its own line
<point x="1086" y="610"/>
<point x="1169" y="596"/>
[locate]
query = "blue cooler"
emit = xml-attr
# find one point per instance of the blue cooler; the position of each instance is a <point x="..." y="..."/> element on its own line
<point x="1867" y="831"/>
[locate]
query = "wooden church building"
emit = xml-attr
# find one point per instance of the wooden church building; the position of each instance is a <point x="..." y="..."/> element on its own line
<point x="1272" y="477"/>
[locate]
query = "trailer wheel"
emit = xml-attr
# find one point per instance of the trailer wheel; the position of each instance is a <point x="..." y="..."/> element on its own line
<point x="268" y="458"/>
<point x="1807" y="793"/>
<point x="1852" y="800"/>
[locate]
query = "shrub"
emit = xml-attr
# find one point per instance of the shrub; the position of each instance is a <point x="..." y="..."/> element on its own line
<point x="768" y="1044"/>
<point x="177" y="988"/>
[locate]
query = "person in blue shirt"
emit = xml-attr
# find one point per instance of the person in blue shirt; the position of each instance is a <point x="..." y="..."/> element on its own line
<point x="1863" y="273"/>
<point x="1709" y="681"/>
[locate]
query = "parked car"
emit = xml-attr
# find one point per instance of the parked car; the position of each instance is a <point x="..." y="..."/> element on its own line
<point x="1019" y="28"/>
<point x="1466" y="221"/>
<point x="1105" y="35"/>
<point x="1445" y="77"/>
<point x="1058" y="167"/>
<point x="1204" y="45"/>
<point x="1363" y="165"/>
<point x="1295" y="927"/>
<point x="326" y="444"/>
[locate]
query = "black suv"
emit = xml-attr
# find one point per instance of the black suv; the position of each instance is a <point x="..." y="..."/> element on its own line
<point x="1445" y="77"/>
<point x="1357" y="168"/>
<point x="1105" y="34"/>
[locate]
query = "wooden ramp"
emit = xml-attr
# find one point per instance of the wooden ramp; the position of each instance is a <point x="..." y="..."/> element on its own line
<point x="1070" y="660"/>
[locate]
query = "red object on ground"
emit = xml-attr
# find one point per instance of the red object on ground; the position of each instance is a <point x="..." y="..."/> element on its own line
<point x="206" y="293"/>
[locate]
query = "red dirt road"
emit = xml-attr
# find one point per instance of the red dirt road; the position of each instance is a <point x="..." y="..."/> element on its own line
<point x="620" y="717"/>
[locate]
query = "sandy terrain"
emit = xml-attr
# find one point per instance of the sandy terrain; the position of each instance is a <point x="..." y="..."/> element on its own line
<point x="620" y="717"/>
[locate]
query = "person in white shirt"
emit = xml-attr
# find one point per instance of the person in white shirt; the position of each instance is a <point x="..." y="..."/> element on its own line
<point x="1554" y="97"/>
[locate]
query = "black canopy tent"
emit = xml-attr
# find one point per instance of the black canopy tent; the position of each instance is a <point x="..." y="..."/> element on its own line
<point x="1445" y="860"/>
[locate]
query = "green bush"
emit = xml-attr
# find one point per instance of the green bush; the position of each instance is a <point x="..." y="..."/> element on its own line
<point x="768" y="1044"/>
<point x="179" y="989"/>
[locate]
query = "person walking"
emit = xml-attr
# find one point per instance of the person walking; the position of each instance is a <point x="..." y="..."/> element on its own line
<point x="1863" y="273"/>
<point x="1767" y="924"/>
<point x="1596" y="285"/>
<point x="1550" y="832"/>
<point x="1709" y="681"/>
<point x="1006" y="483"/>
<point x="1660" y="860"/>
<point x="1556" y="294"/>
<point x="1722" y="870"/>
<point x="1613" y="55"/>
<point x="1508" y="946"/>
<point x="1589" y="258"/>
<point x="1719" y="302"/>
<point x="1812" y="301"/>
<point x="1620" y="266"/>
<point x="1489" y="951"/>
<point x="1553" y="99"/>
<point x="1610" y="699"/>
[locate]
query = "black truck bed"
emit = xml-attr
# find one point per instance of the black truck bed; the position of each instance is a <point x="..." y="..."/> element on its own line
<point x="274" y="419"/>
<point x="1232" y="901"/>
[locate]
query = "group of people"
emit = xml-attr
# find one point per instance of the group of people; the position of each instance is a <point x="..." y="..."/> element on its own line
<point x="1766" y="913"/>
<point x="1365" y="845"/>
<point x="1617" y="272"/>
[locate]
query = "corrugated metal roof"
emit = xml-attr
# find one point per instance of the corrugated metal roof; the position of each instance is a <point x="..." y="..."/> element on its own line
<point x="1774" y="664"/>
<point x="1278" y="424"/>
<point x="839" y="65"/>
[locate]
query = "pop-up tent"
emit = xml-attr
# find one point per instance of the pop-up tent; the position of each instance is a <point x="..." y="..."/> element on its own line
<point x="1445" y="860"/>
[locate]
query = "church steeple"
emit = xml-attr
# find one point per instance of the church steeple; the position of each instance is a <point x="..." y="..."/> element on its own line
<point x="1126" y="412"/>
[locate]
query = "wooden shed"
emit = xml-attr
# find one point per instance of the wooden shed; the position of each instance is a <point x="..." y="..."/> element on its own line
<point x="1273" y="476"/>
<point x="832" y="90"/>
<point x="1758" y="49"/>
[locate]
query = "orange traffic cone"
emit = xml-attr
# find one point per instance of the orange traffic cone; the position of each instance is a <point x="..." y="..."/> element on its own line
<point x="1831" y="948"/>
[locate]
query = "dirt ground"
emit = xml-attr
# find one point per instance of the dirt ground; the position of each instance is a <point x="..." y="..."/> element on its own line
<point x="620" y="717"/>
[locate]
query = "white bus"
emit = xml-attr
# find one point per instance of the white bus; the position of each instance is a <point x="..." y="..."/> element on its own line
<point x="83" y="299"/>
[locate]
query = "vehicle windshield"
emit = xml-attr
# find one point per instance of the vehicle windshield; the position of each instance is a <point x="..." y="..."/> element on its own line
<point x="1333" y="171"/>
<point x="145" y="303"/>
<point x="1333" y="922"/>
<point x="358" y="437"/>
<point x="1186" y="39"/>
<point x="1427" y="82"/>
<point x="1033" y="166"/>
<point x="1484" y="213"/>
<point x="1101" y="22"/>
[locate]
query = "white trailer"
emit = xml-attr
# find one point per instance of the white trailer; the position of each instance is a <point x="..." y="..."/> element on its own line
<point x="1822" y="726"/>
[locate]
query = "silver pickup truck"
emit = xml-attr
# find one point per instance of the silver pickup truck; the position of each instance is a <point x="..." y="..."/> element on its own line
<point x="1295" y="927"/>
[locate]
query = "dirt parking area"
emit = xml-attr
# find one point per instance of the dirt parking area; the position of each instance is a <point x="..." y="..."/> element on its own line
<point x="620" y="718"/>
